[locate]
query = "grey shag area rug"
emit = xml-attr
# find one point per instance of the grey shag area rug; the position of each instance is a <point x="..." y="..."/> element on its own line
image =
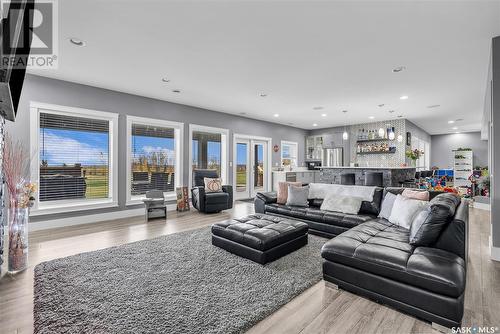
<point x="177" y="283"/>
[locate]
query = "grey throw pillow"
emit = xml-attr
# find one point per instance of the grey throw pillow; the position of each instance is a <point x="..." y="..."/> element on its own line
<point x="297" y="196"/>
<point x="387" y="204"/>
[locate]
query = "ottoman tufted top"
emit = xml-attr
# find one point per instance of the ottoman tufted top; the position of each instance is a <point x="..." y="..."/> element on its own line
<point x="260" y="231"/>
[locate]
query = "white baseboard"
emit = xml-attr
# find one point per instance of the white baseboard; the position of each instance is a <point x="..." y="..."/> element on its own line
<point x="89" y="219"/>
<point x="481" y="206"/>
<point x="494" y="251"/>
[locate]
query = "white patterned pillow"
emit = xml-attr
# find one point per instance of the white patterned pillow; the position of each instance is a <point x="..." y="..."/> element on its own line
<point x="212" y="185"/>
<point x="344" y="204"/>
<point x="404" y="210"/>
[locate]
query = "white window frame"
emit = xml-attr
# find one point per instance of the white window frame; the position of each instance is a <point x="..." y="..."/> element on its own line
<point x="59" y="206"/>
<point x="178" y="145"/>
<point x="224" y="144"/>
<point x="290" y="143"/>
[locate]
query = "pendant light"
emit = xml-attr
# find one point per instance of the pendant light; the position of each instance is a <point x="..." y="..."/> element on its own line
<point x="400" y="138"/>
<point x="345" y="135"/>
<point x="391" y="135"/>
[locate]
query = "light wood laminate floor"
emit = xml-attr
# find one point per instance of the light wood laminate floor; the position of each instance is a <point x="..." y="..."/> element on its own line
<point x="319" y="309"/>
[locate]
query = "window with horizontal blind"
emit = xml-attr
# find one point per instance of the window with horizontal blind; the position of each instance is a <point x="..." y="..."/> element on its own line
<point x="208" y="150"/>
<point x="75" y="157"/>
<point x="153" y="156"/>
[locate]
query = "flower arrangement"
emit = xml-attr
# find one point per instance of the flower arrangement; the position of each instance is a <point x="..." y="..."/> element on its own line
<point x="414" y="154"/>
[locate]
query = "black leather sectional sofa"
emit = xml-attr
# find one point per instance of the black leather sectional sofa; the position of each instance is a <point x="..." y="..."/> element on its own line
<point x="372" y="257"/>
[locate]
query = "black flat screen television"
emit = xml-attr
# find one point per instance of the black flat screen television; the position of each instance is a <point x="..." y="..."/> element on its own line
<point x="17" y="21"/>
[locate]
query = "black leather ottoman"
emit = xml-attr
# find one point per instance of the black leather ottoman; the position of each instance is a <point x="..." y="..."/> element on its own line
<point x="260" y="238"/>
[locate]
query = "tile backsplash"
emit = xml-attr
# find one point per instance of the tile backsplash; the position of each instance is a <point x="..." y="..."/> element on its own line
<point x="396" y="159"/>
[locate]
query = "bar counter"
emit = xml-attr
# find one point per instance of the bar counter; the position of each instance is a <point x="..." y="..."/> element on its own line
<point x="393" y="176"/>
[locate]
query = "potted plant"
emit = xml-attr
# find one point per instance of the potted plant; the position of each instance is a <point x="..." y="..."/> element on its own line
<point x="414" y="155"/>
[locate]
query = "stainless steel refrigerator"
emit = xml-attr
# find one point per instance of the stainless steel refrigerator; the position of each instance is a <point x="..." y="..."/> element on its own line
<point x="333" y="157"/>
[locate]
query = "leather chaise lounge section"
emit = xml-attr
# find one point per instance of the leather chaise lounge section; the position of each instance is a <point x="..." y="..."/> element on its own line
<point x="373" y="258"/>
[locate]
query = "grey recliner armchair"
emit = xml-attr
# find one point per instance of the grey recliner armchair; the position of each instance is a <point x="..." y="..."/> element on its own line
<point x="210" y="202"/>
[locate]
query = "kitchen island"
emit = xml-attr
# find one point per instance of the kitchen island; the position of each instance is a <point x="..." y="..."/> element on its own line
<point x="392" y="175"/>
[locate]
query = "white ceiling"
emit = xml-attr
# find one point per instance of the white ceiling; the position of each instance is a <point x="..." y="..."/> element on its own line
<point x="338" y="55"/>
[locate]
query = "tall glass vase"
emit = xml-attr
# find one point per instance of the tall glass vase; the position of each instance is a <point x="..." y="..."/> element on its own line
<point x="18" y="236"/>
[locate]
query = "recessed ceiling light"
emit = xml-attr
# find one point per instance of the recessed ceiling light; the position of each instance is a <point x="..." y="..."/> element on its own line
<point x="400" y="116"/>
<point x="263" y="94"/>
<point x="381" y="105"/>
<point x="243" y="113"/>
<point x="318" y="108"/>
<point x="398" y="69"/>
<point x="371" y="117"/>
<point x="434" y="106"/>
<point x="315" y="124"/>
<point x="77" y="41"/>
<point x="451" y="122"/>
<point x="165" y="80"/>
<point x="391" y="111"/>
<point x="404" y="97"/>
<point x="276" y="115"/>
<point x="459" y="119"/>
<point x="454" y="128"/>
<point x="323" y="115"/>
<point x="457" y="132"/>
<point x="175" y="91"/>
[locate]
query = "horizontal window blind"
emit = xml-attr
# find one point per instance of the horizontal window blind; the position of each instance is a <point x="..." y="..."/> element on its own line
<point x="206" y="151"/>
<point x="153" y="159"/>
<point x="74" y="158"/>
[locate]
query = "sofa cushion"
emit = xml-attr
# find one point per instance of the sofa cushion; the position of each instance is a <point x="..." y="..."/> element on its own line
<point x="373" y="207"/>
<point x="261" y="232"/>
<point x="216" y="198"/>
<point x="340" y="203"/>
<point x="382" y="248"/>
<point x="404" y="210"/>
<point x="367" y="208"/>
<point x="316" y="215"/>
<point x="443" y="208"/>
<point x="283" y="191"/>
<point x="297" y="196"/>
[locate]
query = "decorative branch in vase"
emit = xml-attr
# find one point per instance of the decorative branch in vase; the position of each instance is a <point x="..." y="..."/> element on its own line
<point x="16" y="163"/>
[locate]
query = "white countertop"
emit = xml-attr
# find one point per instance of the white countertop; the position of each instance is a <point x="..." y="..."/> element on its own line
<point x="360" y="167"/>
<point x="295" y="171"/>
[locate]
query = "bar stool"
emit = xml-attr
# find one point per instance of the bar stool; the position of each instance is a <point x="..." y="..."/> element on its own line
<point x="375" y="179"/>
<point x="348" y="179"/>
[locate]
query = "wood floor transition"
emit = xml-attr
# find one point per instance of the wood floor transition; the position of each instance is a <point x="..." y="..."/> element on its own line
<point x="319" y="309"/>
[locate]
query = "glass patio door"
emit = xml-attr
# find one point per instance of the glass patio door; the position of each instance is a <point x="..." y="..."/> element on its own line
<point x="251" y="167"/>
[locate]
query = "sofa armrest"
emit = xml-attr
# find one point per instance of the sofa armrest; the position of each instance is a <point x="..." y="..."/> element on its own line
<point x="198" y="198"/>
<point x="228" y="189"/>
<point x="261" y="199"/>
<point x="268" y="198"/>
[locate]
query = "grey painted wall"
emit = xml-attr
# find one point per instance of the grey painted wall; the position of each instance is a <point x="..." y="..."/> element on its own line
<point x="64" y="93"/>
<point x="495" y="142"/>
<point x="441" y="146"/>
